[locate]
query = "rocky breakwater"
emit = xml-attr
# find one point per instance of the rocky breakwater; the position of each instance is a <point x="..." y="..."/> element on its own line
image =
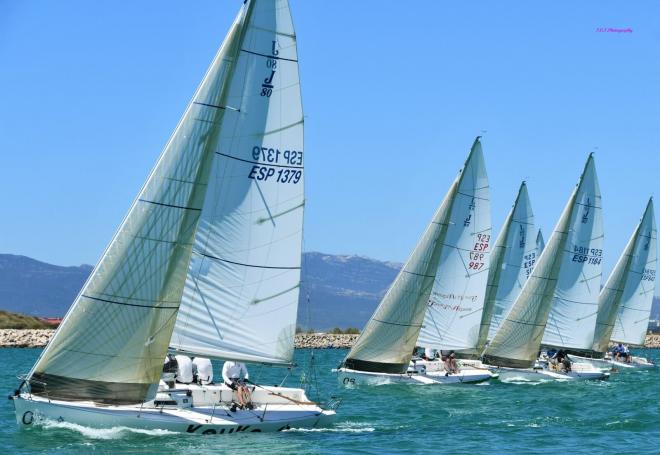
<point x="37" y="338"/>
<point x="25" y="338"/>
<point x="324" y="341"/>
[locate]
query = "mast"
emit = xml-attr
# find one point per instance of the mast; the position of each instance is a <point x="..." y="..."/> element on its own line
<point x="111" y="345"/>
<point x="638" y="286"/>
<point x="516" y="343"/>
<point x="386" y="343"/>
<point x="512" y="261"/>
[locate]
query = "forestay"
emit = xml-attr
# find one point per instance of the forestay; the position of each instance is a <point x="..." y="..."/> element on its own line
<point x="516" y="343"/>
<point x="632" y="319"/>
<point x="572" y="319"/>
<point x="512" y="260"/>
<point x="387" y="341"/>
<point x="111" y="345"/>
<point x="454" y="311"/>
<point x="241" y="295"/>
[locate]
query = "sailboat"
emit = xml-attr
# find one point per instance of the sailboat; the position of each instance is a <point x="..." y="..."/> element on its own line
<point x="382" y="353"/>
<point x="624" y="305"/>
<point x="560" y="273"/>
<point x="206" y="262"/>
<point x="513" y="258"/>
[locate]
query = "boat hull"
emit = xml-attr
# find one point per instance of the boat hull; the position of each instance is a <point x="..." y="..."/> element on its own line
<point x="543" y="374"/>
<point x="32" y="410"/>
<point x="607" y="364"/>
<point x="348" y="377"/>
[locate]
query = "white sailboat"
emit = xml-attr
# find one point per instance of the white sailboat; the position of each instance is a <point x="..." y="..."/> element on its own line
<point x="514" y="255"/>
<point x="561" y="267"/>
<point x="384" y="349"/>
<point x="624" y="305"/>
<point x="207" y="260"/>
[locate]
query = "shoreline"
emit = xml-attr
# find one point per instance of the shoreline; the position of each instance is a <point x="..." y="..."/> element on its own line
<point x="38" y="338"/>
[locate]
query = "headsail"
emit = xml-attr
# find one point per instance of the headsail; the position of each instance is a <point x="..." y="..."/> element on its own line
<point x="513" y="258"/>
<point x="241" y="295"/>
<point x="572" y="320"/>
<point x="516" y="343"/>
<point x="387" y="341"/>
<point x="454" y="312"/>
<point x="111" y="345"/>
<point x="540" y="243"/>
<point x="635" y="288"/>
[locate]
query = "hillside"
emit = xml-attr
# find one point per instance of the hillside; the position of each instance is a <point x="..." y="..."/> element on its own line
<point x="343" y="290"/>
<point x="10" y="320"/>
<point x="36" y="288"/>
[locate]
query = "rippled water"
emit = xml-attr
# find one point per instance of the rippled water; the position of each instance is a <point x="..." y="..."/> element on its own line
<point x="618" y="416"/>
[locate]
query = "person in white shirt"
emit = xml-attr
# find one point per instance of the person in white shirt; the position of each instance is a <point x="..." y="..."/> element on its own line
<point x="235" y="375"/>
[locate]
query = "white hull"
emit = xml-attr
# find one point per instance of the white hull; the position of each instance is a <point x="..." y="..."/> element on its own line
<point x="608" y="364"/>
<point x="273" y="413"/>
<point x="350" y="377"/>
<point x="543" y="373"/>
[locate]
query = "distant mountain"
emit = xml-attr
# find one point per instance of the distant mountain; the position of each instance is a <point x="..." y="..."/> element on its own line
<point x="343" y="290"/>
<point x="36" y="288"/>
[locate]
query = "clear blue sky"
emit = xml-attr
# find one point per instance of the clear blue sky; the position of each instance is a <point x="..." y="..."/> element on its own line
<point x="394" y="93"/>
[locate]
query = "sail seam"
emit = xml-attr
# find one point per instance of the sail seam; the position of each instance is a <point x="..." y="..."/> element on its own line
<point x="170" y="205"/>
<point x="268" y="56"/>
<point x="396" y="323"/>
<point x="132" y="304"/>
<point x="244" y="265"/>
<point x="217" y="107"/>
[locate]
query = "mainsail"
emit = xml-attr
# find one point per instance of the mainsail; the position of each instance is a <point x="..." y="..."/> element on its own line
<point x="241" y="295"/>
<point x="387" y="341"/>
<point x="572" y="319"/>
<point x="516" y="343"/>
<point x="512" y="260"/>
<point x="633" y="289"/>
<point x="111" y="345"/>
<point x="454" y="311"/>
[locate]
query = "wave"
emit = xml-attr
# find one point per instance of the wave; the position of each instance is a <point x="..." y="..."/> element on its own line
<point x="344" y="427"/>
<point x="101" y="433"/>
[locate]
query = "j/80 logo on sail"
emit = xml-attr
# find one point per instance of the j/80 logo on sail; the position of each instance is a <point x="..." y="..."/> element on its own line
<point x="271" y="64"/>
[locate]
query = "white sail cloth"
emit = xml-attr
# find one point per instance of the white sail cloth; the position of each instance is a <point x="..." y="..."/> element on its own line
<point x="638" y="284"/>
<point x="387" y="341"/>
<point x="572" y="320"/>
<point x="241" y="295"/>
<point x="516" y="343"/>
<point x="110" y="346"/>
<point x="453" y="316"/>
<point x="513" y="258"/>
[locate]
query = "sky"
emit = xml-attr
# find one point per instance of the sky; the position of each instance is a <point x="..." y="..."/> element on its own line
<point x="394" y="94"/>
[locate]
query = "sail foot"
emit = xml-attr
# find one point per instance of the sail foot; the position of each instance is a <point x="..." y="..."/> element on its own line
<point x="56" y="387"/>
<point x="375" y="367"/>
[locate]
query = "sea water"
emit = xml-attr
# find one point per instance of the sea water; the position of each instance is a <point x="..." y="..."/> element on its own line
<point x="621" y="415"/>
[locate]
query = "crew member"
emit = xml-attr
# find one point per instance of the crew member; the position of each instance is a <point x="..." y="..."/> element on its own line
<point x="235" y="375"/>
